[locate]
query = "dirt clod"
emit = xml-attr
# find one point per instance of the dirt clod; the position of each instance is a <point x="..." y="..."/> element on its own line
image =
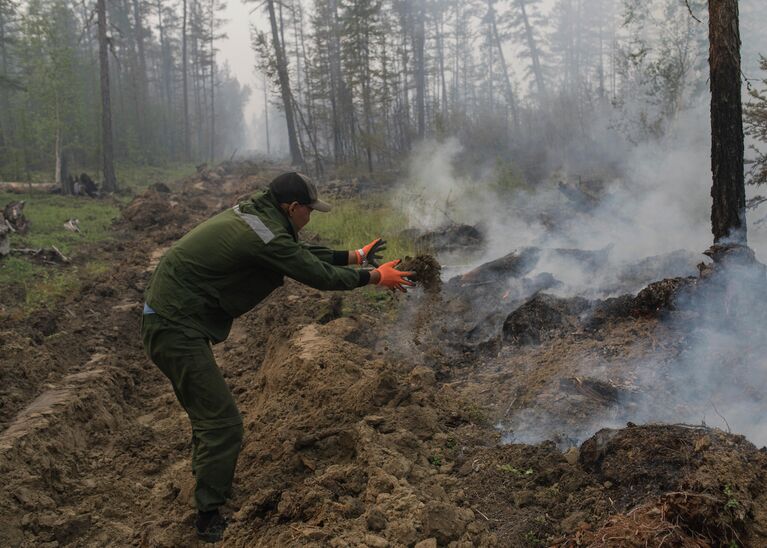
<point x="427" y="271"/>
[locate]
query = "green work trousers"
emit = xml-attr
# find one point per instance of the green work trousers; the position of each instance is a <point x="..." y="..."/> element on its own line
<point x="186" y="358"/>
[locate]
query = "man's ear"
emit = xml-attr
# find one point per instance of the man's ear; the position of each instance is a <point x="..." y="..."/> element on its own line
<point x="291" y="208"/>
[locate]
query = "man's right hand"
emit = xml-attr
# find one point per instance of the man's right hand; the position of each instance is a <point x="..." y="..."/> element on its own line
<point x="392" y="278"/>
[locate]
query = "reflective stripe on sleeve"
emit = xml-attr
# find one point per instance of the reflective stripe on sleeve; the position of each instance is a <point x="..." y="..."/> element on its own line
<point x="256" y="224"/>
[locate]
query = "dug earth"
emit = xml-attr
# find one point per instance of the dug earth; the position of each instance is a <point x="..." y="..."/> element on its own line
<point x="363" y="425"/>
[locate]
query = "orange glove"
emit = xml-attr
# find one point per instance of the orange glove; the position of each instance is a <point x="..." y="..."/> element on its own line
<point x="369" y="253"/>
<point x="392" y="278"/>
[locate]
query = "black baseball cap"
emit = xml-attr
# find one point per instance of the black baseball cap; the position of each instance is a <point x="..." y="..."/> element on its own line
<point x="296" y="187"/>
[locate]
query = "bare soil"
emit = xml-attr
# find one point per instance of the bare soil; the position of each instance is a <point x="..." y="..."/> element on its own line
<point x="370" y="420"/>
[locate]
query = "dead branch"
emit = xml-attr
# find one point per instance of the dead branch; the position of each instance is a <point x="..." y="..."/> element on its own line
<point x="689" y="8"/>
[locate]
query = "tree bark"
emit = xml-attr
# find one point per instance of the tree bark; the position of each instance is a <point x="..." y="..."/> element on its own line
<point x="59" y="176"/>
<point x="211" y="37"/>
<point x="107" y="146"/>
<point x="143" y="87"/>
<point x="336" y="85"/>
<point x="419" y="42"/>
<point x="187" y="152"/>
<point x="266" y="118"/>
<point x="728" y="212"/>
<point x="439" y="27"/>
<point x="533" y="47"/>
<point x="282" y="72"/>
<point x="167" y="81"/>
<point x="510" y="98"/>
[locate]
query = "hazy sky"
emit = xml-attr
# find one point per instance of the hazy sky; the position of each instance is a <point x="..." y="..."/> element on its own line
<point x="241" y="16"/>
<point x="237" y="51"/>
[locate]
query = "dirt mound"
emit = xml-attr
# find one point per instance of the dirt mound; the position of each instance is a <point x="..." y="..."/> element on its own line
<point x="339" y="447"/>
<point x="661" y="297"/>
<point x="542" y="317"/>
<point x="361" y="429"/>
<point x="427" y="271"/>
<point x="708" y="483"/>
<point x="152" y="209"/>
<point x="450" y="238"/>
<point x="635" y="486"/>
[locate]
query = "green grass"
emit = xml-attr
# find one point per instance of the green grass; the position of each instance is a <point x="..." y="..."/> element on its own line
<point x="354" y="223"/>
<point x="47" y="214"/>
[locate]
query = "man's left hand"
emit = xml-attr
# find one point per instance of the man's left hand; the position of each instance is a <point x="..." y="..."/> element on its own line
<point x="370" y="253"/>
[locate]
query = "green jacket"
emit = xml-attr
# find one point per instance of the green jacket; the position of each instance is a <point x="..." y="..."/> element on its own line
<point x="231" y="262"/>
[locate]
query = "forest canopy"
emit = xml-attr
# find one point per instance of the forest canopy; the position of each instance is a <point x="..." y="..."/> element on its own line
<point x="540" y="83"/>
<point x="49" y="84"/>
<point x="536" y="83"/>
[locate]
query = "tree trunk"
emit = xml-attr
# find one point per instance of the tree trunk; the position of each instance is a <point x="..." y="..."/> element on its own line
<point x="266" y="118"/>
<point x="336" y="85"/>
<point x="107" y="147"/>
<point x="309" y="95"/>
<point x="533" y="47"/>
<point x="5" y="123"/>
<point x="439" y="27"/>
<point x="404" y="118"/>
<point x="212" y="111"/>
<point x="187" y="152"/>
<point x="510" y="98"/>
<point x="212" y="86"/>
<point x="282" y="72"/>
<point x="728" y="213"/>
<point x="419" y="41"/>
<point x="143" y="93"/>
<point x="60" y="180"/>
<point x="368" y="103"/>
<point x="167" y="81"/>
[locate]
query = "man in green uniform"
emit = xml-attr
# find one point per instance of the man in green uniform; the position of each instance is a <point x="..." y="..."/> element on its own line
<point x="217" y="272"/>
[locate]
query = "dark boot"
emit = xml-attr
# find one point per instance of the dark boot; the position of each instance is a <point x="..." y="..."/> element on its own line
<point x="210" y="526"/>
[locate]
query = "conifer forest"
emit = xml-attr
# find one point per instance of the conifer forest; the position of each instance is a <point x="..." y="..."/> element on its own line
<point x="383" y="273"/>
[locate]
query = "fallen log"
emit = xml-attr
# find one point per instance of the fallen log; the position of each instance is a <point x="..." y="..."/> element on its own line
<point x="48" y="256"/>
<point x="19" y="187"/>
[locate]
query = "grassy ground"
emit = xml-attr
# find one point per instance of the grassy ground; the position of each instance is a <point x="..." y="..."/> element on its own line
<point x="354" y="223"/>
<point x="47" y="214"/>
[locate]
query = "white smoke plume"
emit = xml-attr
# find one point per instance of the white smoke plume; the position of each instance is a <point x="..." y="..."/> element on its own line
<point x="657" y="203"/>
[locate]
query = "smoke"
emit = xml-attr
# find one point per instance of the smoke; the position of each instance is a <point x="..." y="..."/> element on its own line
<point x="711" y="369"/>
<point x="655" y="205"/>
<point x="429" y="195"/>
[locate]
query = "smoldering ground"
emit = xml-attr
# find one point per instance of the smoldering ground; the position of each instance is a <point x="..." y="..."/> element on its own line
<point x="650" y="222"/>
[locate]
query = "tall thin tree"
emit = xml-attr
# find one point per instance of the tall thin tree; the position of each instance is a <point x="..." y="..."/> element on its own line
<point x="728" y="211"/>
<point x="284" y="78"/>
<point x="107" y="145"/>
